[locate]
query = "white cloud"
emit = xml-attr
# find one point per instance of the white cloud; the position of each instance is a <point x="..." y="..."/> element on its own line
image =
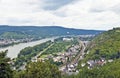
<point x="83" y="14"/>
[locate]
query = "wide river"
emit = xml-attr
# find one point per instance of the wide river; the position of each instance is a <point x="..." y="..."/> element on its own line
<point x="15" y="49"/>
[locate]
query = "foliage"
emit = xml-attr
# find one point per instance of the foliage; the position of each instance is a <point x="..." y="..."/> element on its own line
<point x="26" y="54"/>
<point x="57" y="47"/>
<point x="106" y="45"/>
<point x="5" y="70"/>
<point x="60" y="46"/>
<point x="39" y="70"/>
<point x="110" y="70"/>
<point x="40" y="32"/>
<point x="55" y="63"/>
<point x="13" y="35"/>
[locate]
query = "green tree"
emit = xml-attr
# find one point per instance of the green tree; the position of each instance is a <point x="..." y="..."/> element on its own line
<point x="39" y="70"/>
<point x="5" y="70"/>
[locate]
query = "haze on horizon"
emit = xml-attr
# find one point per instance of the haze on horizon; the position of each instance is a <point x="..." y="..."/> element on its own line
<point x="81" y="14"/>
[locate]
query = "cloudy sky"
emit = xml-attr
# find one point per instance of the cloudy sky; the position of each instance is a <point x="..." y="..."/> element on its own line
<point x="82" y="14"/>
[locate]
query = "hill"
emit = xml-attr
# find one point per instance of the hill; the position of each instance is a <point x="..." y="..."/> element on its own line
<point x="102" y="57"/>
<point x="106" y="45"/>
<point x="41" y="32"/>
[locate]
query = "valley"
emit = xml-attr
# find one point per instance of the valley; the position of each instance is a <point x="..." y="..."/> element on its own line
<point x="59" y="38"/>
<point x="74" y="56"/>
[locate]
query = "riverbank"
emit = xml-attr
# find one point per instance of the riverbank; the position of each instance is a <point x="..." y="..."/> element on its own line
<point x="15" y="49"/>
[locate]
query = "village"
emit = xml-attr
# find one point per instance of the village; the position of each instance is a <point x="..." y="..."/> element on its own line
<point x="7" y="42"/>
<point x="64" y="58"/>
<point x="68" y="61"/>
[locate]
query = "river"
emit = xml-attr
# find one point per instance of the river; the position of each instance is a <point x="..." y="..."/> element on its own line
<point x="14" y="50"/>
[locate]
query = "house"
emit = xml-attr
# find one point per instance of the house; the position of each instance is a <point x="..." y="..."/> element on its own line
<point x="91" y="64"/>
<point x="83" y="64"/>
<point x="111" y="60"/>
<point x="67" y="39"/>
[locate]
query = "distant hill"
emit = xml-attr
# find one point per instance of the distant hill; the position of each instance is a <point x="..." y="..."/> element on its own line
<point x="41" y="32"/>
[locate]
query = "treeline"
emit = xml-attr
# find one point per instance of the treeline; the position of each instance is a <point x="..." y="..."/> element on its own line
<point x="11" y="44"/>
<point x="41" y="32"/>
<point x="13" y="35"/>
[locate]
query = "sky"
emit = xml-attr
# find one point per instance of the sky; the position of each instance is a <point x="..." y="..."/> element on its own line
<point x="81" y="14"/>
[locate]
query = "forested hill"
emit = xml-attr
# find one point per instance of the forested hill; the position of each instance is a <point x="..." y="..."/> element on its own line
<point x="42" y="31"/>
<point x="102" y="59"/>
<point x="106" y="45"/>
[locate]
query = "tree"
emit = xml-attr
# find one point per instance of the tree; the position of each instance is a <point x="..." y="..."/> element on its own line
<point x="40" y="70"/>
<point x="5" y="70"/>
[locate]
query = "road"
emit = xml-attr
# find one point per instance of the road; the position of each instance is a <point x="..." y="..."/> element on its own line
<point x="35" y="57"/>
<point x="79" y="57"/>
<point x="81" y="53"/>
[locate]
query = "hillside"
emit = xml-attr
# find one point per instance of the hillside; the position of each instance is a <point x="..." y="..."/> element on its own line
<point x="106" y="45"/>
<point x="102" y="58"/>
<point x="41" y="32"/>
<point x="109" y="70"/>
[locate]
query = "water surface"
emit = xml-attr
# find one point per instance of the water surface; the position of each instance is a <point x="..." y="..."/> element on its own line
<point x="15" y="49"/>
